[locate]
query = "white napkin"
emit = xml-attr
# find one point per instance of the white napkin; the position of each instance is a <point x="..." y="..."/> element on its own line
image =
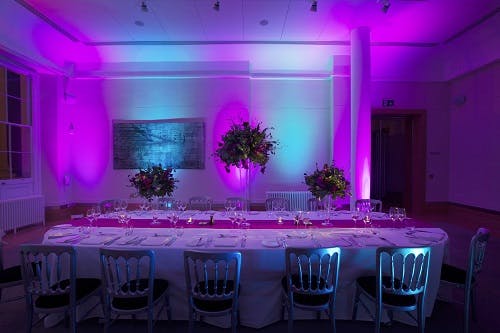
<point x="156" y="241"/>
<point x="372" y="241"/>
<point x="195" y="241"/>
<point x="225" y="242"/>
<point x="426" y="236"/>
<point x="335" y="242"/>
<point x="96" y="240"/>
<point x="61" y="235"/>
<point x="270" y="243"/>
<point x="295" y="242"/>
<point x="296" y="234"/>
<point x="126" y="240"/>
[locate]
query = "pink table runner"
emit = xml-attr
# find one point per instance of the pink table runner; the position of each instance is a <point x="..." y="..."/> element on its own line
<point x="255" y="224"/>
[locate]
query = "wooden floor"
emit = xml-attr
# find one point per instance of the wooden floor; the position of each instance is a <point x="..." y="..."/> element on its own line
<point x="459" y="222"/>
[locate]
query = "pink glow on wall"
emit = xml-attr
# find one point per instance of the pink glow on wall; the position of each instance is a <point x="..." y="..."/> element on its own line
<point x="231" y="113"/>
<point x="90" y="151"/>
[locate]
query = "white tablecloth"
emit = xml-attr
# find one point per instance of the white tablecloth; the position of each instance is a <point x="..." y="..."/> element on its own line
<point x="263" y="263"/>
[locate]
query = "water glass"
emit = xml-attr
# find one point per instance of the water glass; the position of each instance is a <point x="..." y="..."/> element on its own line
<point x="355" y="215"/>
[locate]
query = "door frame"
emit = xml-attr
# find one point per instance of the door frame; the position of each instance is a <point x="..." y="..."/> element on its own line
<point x="416" y="180"/>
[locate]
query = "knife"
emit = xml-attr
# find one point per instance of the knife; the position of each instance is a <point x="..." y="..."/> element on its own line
<point x="112" y="240"/>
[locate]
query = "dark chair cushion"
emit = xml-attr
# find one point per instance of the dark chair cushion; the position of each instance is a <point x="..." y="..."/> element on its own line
<point x="213" y="305"/>
<point x="453" y="274"/>
<point x="369" y="285"/>
<point x="307" y="299"/>
<point x="135" y="303"/>
<point x="84" y="287"/>
<point x="11" y="274"/>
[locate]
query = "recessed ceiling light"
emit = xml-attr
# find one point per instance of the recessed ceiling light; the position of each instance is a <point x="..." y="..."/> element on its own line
<point x="139" y="23"/>
<point x="264" y="22"/>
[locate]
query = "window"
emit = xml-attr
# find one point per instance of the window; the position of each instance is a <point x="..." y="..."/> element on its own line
<point x="15" y="125"/>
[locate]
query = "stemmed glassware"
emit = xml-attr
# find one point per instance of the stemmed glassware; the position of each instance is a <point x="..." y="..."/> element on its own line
<point x="278" y="207"/>
<point x="90" y="216"/>
<point x="328" y="205"/>
<point x="355" y="215"/>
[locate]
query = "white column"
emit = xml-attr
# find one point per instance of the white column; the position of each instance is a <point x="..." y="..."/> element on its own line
<point x="360" y="114"/>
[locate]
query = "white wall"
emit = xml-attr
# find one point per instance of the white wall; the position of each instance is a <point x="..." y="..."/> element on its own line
<point x="474" y="138"/>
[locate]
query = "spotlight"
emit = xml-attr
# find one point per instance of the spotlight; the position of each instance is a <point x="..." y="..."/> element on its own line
<point x="385" y="6"/>
<point x="314" y="6"/>
<point x="216" y="6"/>
<point x="144" y="7"/>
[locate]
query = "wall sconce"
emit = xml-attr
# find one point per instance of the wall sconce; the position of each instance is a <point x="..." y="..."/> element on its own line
<point x="71" y="129"/>
<point x="216" y="6"/>
<point x="314" y="6"/>
<point x="386" y="4"/>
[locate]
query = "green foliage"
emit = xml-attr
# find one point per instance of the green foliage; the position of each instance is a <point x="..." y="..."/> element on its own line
<point x="154" y="181"/>
<point x="243" y="144"/>
<point x="328" y="180"/>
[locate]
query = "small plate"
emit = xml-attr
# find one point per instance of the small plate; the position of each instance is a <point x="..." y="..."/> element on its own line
<point x="62" y="226"/>
<point x="270" y="243"/>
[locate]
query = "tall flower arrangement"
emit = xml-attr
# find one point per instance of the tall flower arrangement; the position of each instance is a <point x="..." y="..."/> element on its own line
<point x="154" y="181"/>
<point x="244" y="144"/>
<point x="328" y="180"/>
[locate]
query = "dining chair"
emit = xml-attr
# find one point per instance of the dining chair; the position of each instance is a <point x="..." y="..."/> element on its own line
<point x="51" y="285"/>
<point x="466" y="279"/>
<point x="9" y="277"/>
<point x="203" y="203"/>
<point x="314" y="204"/>
<point x="311" y="281"/>
<point x="375" y="205"/>
<point x="278" y="201"/>
<point x="213" y="285"/>
<point x="237" y="202"/>
<point x="167" y="203"/>
<point x="399" y="284"/>
<point x="130" y="285"/>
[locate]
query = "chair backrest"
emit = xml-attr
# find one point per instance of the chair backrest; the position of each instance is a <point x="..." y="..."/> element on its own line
<point x="314" y="204"/>
<point x="200" y="203"/>
<point x="477" y="249"/>
<point x="107" y="206"/>
<point x="273" y="202"/>
<point x="212" y="275"/>
<point x="374" y="205"/>
<point x="312" y="271"/>
<point x="237" y="202"/>
<point x="167" y="203"/>
<point x="49" y="270"/>
<point x="402" y="270"/>
<point x="128" y="273"/>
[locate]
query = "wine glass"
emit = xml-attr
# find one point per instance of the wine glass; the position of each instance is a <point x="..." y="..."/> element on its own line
<point x="355" y="215"/>
<point x="393" y="215"/>
<point x="123" y="205"/>
<point x="327" y="204"/>
<point x="90" y="216"/>
<point x="181" y="206"/>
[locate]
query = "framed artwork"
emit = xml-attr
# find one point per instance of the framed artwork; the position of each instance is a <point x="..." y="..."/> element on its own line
<point x="176" y="143"/>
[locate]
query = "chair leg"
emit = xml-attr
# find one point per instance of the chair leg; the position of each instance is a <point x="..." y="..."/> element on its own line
<point x="191" y="320"/>
<point x="167" y="305"/>
<point x="29" y="313"/>
<point x="467" y="306"/>
<point x="331" y="315"/>
<point x="72" y="319"/>
<point x="107" y="317"/>
<point x="356" y="302"/>
<point x="150" y="320"/>
<point x="473" y="305"/>
<point x="290" y="318"/>
<point x="378" y="316"/>
<point x="421" y="314"/>
<point x="234" y="320"/>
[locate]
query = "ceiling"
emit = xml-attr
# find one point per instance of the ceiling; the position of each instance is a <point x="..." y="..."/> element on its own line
<point x="126" y="22"/>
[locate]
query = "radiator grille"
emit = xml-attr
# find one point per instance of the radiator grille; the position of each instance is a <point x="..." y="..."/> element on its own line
<point x="17" y="213"/>
<point x="298" y="199"/>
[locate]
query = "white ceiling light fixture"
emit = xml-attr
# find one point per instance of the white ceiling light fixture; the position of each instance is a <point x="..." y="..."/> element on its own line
<point x="314" y="6"/>
<point x="144" y="7"/>
<point x="216" y="6"/>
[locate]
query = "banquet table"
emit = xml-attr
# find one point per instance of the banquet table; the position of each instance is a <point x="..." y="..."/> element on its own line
<point x="262" y="244"/>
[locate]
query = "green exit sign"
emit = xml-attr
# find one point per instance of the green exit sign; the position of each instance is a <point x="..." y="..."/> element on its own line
<point x="387" y="102"/>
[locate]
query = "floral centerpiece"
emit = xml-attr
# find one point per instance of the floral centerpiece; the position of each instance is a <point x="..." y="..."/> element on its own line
<point x="244" y="144"/>
<point x="154" y="181"/>
<point x="329" y="180"/>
